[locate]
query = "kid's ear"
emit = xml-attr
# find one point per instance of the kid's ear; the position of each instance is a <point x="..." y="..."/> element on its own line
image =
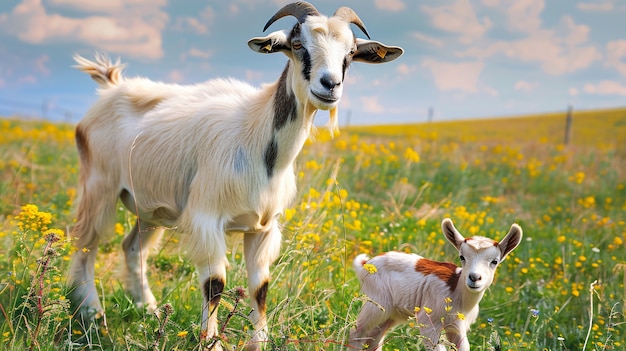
<point x="450" y="232"/>
<point x="510" y="241"/>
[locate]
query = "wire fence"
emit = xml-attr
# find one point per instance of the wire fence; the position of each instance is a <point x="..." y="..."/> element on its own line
<point x="45" y="109"/>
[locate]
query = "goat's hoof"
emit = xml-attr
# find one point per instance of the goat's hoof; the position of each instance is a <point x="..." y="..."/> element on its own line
<point x="88" y="314"/>
<point x="252" y="346"/>
<point x="151" y="307"/>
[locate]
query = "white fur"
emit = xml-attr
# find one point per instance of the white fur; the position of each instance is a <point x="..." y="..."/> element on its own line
<point x="398" y="286"/>
<point x="199" y="158"/>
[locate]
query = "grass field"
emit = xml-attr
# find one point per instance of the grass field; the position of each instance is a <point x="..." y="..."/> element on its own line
<point x="370" y="189"/>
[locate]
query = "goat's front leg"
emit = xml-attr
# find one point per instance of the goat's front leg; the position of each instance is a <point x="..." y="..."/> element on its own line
<point x="458" y="336"/>
<point x="212" y="278"/>
<point x="136" y="247"/>
<point x="260" y="251"/>
<point x="432" y="332"/>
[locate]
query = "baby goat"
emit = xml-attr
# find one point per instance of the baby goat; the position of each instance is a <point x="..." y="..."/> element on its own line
<point x="212" y="160"/>
<point x="439" y="295"/>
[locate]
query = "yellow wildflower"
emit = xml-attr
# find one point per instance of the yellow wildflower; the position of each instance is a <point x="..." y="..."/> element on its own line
<point x="370" y="268"/>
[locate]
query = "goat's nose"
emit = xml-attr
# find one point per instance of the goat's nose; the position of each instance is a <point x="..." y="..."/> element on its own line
<point x="329" y="82"/>
<point x="474" y="277"/>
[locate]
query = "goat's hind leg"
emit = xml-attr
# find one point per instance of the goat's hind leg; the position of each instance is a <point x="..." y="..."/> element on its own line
<point x="260" y="251"/>
<point x="371" y="326"/>
<point x="137" y="246"/>
<point x="95" y="219"/>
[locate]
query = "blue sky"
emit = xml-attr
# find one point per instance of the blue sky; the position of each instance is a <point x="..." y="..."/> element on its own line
<point x="463" y="58"/>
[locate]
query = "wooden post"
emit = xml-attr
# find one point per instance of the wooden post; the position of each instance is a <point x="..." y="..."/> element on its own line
<point x="568" y="125"/>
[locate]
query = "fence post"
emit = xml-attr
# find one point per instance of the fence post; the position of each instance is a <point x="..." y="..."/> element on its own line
<point x="568" y="125"/>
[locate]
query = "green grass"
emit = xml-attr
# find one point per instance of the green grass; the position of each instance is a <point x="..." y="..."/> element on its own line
<point x="368" y="190"/>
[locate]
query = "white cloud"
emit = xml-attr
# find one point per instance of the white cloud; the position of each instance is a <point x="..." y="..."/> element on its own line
<point x="371" y="105"/>
<point x="28" y="79"/>
<point x="390" y="5"/>
<point x="573" y="91"/>
<point x="176" y="76"/>
<point x="525" y="86"/>
<point x="190" y="24"/>
<point x="595" y="6"/>
<point x="606" y="87"/>
<point x="197" y="25"/>
<point x="524" y="15"/>
<point x="40" y="64"/>
<point x="491" y="3"/>
<point x="193" y="52"/>
<point x="455" y="76"/>
<point x="427" y="39"/>
<point x="133" y="29"/>
<point x="404" y="69"/>
<point x="252" y="76"/>
<point x="491" y="91"/>
<point x="616" y="55"/>
<point x="562" y="50"/>
<point x="459" y="18"/>
<point x="107" y="6"/>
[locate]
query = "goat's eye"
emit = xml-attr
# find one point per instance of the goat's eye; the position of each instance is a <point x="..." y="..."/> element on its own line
<point x="296" y="45"/>
<point x="462" y="258"/>
<point x="494" y="262"/>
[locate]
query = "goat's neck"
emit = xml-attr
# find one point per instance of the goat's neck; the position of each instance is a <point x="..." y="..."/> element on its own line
<point x="466" y="298"/>
<point x="292" y="118"/>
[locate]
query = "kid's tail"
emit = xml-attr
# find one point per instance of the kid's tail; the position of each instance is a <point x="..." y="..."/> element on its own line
<point x="358" y="263"/>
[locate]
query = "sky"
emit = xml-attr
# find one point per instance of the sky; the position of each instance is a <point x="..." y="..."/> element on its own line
<point x="463" y="58"/>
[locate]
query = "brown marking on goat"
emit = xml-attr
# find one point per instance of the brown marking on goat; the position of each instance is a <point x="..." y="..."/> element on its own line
<point x="445" y="271"/>
<point x="213" y="288"/>
<point x="261" y="296"/>
<point x="285" y="105"/>
<point x="82" y="146"/>
<point x="143" y="103"/>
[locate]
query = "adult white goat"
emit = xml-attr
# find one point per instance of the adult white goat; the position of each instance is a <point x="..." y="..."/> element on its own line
<point x="440" y="295"/>
<point x="212" y="160"/>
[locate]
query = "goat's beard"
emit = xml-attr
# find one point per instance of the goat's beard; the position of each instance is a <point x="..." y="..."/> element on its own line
<point x="333" y="123"/>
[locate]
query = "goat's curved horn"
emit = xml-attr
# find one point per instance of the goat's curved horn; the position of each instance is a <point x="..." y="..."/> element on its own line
<point x="299" y="10"/>
<point x="350" y="16"/>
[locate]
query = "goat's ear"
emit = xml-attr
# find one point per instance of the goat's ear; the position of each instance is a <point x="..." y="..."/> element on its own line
<point x="370" y="51"/>
<point x="510" y="241"/>
<point x="450" y="232"/>
<point x="275" y="42"/>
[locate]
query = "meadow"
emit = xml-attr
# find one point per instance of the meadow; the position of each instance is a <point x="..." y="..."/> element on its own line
<point x="368" y="190"/>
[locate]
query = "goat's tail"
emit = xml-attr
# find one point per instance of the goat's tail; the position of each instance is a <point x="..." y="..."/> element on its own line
<point x="102" y="70"/>
<point x="358" y="263"/>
